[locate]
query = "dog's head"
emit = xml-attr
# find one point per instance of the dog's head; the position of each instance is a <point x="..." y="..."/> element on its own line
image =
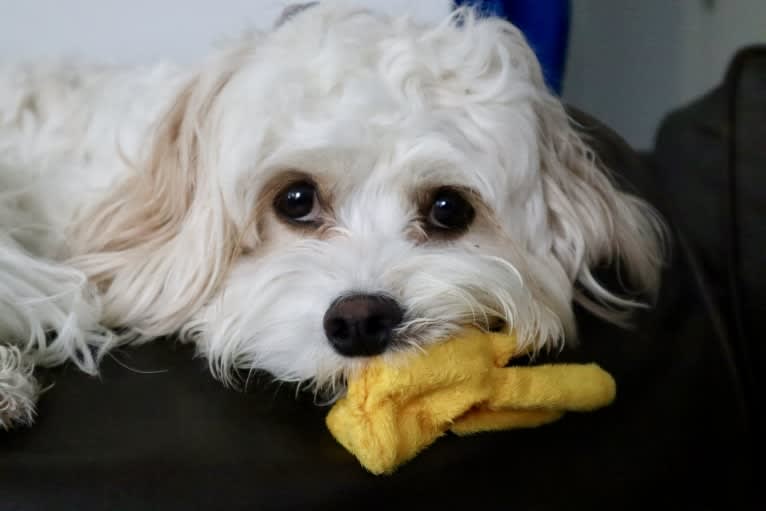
<point x="350" y="184"/>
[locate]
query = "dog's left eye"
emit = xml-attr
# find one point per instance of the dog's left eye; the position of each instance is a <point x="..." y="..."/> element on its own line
<point x="450" y="211"/>
<point x="298" y="202"/>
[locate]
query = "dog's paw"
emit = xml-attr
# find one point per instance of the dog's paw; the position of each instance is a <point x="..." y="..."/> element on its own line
<point x="18" y="388"/>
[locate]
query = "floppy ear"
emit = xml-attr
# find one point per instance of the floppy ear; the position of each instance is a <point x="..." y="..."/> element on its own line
<point x="592" y="221"/>
<point x="159" y="244"/>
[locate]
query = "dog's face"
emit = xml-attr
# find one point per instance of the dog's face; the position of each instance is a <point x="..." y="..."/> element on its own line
<point x="348" y="186"/>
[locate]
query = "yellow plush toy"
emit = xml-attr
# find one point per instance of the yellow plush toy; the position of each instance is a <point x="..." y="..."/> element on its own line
<point x="397" y="406"/>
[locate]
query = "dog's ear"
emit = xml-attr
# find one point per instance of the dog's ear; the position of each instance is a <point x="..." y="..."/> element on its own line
<point x="592" y="221"/>
<point x="159" y="244"/>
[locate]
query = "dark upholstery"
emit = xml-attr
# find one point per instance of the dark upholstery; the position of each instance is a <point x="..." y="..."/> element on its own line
<point x="139" y="439"/>
<point x="710" y="161"/>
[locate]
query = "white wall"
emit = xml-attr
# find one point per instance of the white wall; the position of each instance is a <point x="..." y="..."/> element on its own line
<point x="630" y="61"/>
<point x="143" y="30"/>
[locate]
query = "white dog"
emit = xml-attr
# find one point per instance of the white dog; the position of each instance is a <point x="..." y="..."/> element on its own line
<point x="340" y="187"/>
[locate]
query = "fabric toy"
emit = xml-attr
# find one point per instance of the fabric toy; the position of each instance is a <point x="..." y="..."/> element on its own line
<point x="398" y="405"/>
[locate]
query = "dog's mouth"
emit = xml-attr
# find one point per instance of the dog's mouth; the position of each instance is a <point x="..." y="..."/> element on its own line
<point x="497" y="325"/>
<point x="416" y="333"/>
<point x="412" y="335"/>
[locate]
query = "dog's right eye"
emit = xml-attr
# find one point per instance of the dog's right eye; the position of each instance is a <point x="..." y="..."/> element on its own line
<point x="298" y="202"/>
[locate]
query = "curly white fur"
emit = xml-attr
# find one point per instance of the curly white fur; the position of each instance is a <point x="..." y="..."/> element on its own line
<point x="139" y="199"/>
<point x="18" y="388"/>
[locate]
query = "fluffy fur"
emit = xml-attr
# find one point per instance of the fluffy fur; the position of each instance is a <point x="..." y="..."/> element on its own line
<point x="139" y="201"/>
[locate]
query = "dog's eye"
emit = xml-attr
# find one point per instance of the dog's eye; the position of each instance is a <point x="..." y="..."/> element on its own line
<point x="298" y="202"/>
<point x="450" y="210"/>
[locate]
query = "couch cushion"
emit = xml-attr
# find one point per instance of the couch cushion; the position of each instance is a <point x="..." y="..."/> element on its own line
<point x="710" y="160"/>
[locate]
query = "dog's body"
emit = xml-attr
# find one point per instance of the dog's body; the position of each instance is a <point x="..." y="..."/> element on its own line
<point x="342" y="186"/>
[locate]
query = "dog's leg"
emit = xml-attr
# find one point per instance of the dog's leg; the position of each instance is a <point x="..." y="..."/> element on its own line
<point x="49" y="315"/>
<point x="18" y="388"/>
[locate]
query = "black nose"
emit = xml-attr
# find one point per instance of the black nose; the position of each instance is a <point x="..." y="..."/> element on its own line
<point x="361" y="325"/>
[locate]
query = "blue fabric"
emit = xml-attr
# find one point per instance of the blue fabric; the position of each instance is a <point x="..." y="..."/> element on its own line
<point x="545" y="24"/>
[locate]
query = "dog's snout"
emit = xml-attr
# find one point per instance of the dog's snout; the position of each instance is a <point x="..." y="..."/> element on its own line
<point x="362" y="325"/>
